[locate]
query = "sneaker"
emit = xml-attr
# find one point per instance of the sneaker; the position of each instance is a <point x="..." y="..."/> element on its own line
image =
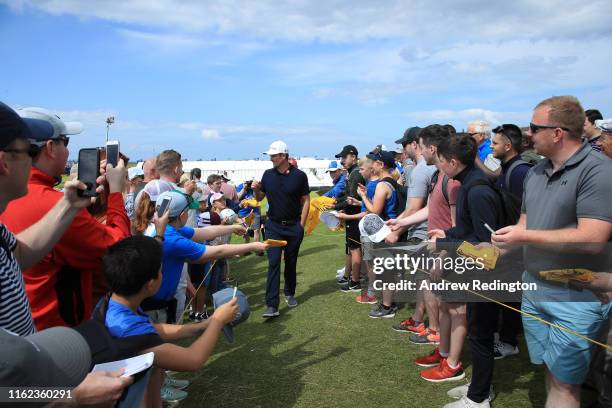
<point x="431" y="360"/>
<point x="501" y="350"/>
<point x="427" y="336"/>
<point x="172" y="395"/>
<point x="342" y="280"/>
<point x="270" y="312"/>
<point x="176" y="383"/>
<point x="198" y="317"/>
<point x="409" y="326"/>
<point x="366" y="299"/>
<point x="351" y="287"/>
<point x="462" y="391"/>
<point x="341" y="271"/>
<point x="380" y="311"/>
<point x="443" y="373"/>
<point x="465" y="402"/>
<point x="291" y="302"/>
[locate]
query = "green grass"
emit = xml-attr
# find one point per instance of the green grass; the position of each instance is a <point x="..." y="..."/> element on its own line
<point x="328" y="353"/>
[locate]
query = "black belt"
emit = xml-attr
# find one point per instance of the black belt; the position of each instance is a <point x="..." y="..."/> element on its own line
<point x="284" y="222"/>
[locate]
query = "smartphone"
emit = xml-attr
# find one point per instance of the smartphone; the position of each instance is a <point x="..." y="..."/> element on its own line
<point x="161" y="209"/>
<point x="89" y="171"/>
<point x="112" y="152"/>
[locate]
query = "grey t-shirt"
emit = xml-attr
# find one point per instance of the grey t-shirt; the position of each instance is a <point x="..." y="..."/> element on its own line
<point x="580" y="188"/>
<point x="418" y="187"/>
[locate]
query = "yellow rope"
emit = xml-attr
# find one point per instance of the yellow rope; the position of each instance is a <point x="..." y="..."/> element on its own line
<point x="606" y="346"/>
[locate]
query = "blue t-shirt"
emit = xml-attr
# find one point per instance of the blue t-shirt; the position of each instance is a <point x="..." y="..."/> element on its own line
<point x="178" y="248"/>
<point x="121" y="321"/>
<point x="390" y="207"/>
<point x="247" y="196"/>
<point x="484" y="149"/>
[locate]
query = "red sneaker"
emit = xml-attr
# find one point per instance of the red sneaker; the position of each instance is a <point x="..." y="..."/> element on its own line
<point x="365" y="298"/>
<point x="431" y="360"/>
<point x="443" y="373"/>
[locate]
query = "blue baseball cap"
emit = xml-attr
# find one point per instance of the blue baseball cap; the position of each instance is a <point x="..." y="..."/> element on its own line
<point x="244" y="310"/>
<point x="333" y="166"/>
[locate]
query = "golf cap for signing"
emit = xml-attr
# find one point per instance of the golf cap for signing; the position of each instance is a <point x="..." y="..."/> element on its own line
<point x="55" y="357"/>
<point x="333" y="166"/>
<point x="604" y="125"/>
<point x="346" y="150"/>
<point x="228" y="216"/>
<point x="224" y="296"/>
<point x="373" y="227"/>
<point x="384" y="156"/>
<point x="330" y="220"/>
<point x="45" y="125"/>
<point x="12" y="126"/>
<point x="410" y="135"/>
<point x="179" y="202"/>
<point x="277" y="147"/>
<point x="134" y="172"/>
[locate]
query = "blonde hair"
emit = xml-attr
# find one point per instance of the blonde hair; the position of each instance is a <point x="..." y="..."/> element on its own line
<point x="566" y="112"/>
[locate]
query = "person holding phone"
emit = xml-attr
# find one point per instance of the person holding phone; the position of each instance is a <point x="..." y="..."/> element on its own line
<point x="60" y="286"/>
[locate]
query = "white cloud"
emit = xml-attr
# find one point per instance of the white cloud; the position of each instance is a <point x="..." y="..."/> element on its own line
<point x="460" y="118"/>
<point x="208" y="134"/>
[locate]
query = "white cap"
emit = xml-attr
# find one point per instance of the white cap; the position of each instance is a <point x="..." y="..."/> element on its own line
<point x="604" y="124"/>
<point x="277" y="147"/>
<point x="46" y="125"/>
<point x="134" y="172"/>
<point x="330" y="219"/>
<point x="228" y="216"/>
<point x="373" y="227"/>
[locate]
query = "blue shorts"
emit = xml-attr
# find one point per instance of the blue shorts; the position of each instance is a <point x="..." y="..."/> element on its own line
<point x="566" y="355"/>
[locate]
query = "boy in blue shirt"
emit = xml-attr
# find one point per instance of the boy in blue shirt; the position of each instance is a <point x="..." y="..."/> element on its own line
<point x="133" y="270"/>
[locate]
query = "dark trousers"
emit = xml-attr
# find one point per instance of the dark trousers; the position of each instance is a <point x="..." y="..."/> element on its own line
<point x="511" y="324"/>
<point x="482" y="323"/>
<point x="293" y="234"/>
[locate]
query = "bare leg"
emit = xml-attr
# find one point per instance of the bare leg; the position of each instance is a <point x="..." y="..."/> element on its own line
<point x="445" y="329"/>
<point x="356" y="264"/>
<point x="419" y="311"/>
<point x="458" y="331"/>
<point x="431" y="305"/>
<point x="387" y="297"/>
<point x="561" y="395"/>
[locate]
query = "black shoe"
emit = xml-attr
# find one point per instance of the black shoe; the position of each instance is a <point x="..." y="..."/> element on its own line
<point x="343" y="281"/>
<point x="351" y="287"/>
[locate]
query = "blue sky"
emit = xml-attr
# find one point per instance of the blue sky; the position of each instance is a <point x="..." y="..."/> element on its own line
<point x="223" y="79"/>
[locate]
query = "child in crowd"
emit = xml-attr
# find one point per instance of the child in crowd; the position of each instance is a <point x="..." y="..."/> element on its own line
<point x="133" y="270"/>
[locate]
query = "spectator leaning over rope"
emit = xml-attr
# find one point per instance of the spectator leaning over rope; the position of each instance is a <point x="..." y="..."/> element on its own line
<point x="60" y="285"/>
<point x="566" y="205"/>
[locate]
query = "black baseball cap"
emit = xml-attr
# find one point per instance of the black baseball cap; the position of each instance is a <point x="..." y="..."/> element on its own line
<point x="348" y="149"/>
<point x="410" y="135"/>
<point x="12" y="126"/>
<point x="387" y="157"/>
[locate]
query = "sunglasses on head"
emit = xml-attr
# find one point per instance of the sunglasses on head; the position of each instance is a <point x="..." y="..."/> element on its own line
<point x="533" y="128"/>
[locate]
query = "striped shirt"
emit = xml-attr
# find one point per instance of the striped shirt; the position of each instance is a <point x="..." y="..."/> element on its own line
<point x="15" y="313"/>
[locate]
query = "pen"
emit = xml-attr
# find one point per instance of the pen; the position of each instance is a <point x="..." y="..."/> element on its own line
<point x="487" y="226"/>
<point x="235" y="290"/>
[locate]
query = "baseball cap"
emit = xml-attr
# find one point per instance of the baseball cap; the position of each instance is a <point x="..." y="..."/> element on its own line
<point x="134" y="172"/>
<point x="224" y="296"/>
<point x="330" y="219"/>
<point x="228" y="216"/>
<point x="333" y="166"/>
<point x="410" y="135"/>
<point x="277" y="147"/>
<point x="604" y="124"/>
<point x="348" y="149"/>
<point x="384" y="156"/>
<point x="179" y="202"/>
<point x="214" y="197"/>
<point x="373" y="227"/>
<point x="55" y="357"/>
<point x="12" y="126"/>
<point x="208" y="218"/>
<point x="153" y="189"/>
<point x="45" y="125"/>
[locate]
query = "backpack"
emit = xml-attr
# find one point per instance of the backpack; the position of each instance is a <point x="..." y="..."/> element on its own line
<point x="434" y="180"/>
<point x="401" y="192"/>
<point x="510" y="204"/>
<point x="511" y="168"/>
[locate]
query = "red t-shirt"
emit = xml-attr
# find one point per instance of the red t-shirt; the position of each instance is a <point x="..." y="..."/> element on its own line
<point x="59" y="287"/>
<point x="439" y="209"/>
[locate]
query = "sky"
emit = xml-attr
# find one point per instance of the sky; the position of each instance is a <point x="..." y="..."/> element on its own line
<point x="223" y="79"/>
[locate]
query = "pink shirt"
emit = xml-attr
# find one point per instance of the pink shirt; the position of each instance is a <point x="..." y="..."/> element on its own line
<point x="439" y="208"/>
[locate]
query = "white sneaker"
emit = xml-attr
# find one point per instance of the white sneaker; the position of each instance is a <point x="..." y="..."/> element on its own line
<point x="465" y="402"/>
<point x="462" y="390"/>
<point x="501" y="350"/>
<point x="341" y="271"/>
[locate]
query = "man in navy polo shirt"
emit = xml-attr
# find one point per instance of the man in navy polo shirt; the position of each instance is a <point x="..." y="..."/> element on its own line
<point x="286" y="188"/>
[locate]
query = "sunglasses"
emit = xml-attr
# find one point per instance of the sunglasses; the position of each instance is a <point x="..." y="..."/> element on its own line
<point x="31" y="151"/>
<point x="64" y="139"/>
<point x="533" y="128"/>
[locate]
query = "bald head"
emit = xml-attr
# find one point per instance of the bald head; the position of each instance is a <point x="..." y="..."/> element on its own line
<point x="150" y="172"/>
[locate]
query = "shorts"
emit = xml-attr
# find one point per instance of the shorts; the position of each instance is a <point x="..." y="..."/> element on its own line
<point x="566" y="355"/>
<point x="197" y="273"/>
<point x="158" y="315"/>
<point x="352" y="235"/>
<point x="256" y="221"/>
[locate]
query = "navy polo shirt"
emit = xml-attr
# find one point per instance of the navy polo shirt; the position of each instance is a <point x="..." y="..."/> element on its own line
<point x="284" y="193"/>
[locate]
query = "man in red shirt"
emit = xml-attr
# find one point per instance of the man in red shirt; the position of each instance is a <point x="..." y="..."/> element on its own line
<point x="60" y="286"/>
